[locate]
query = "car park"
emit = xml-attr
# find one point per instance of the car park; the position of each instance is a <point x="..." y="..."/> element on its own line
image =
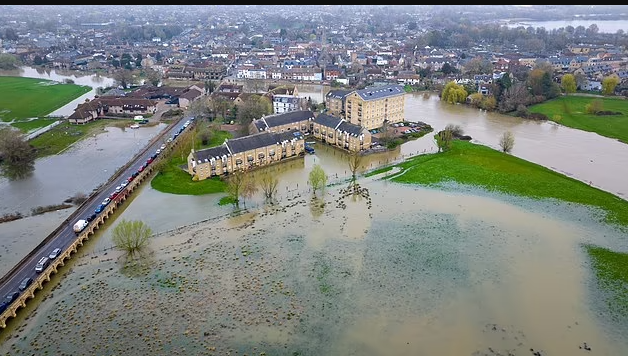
<point x="25" y="283"/>
<point x="54" y="253"/>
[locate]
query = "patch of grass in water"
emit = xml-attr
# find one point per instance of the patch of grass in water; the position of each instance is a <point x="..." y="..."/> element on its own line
<point x="611" y="270"/>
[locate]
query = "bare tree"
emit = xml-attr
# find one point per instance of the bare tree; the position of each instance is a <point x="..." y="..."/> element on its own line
<point x="269" y="183"/>
<point x="240" y="185"/>
<point x="354" y="159"/>
<point x="507" y="142"/>
<point x="124" y="78"/>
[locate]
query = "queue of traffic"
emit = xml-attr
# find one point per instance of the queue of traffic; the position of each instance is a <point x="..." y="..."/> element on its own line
<point x="44" y="261"/>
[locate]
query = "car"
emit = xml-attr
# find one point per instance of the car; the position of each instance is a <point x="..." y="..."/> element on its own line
<point x="3" y="306"/>
<point x="123" y="185"/>
<point x="106" y="201"/>
<point x="149" y="160"/>
<point x="119" y="188"/>
<point x="42" y="264"/>
<point x="163" y="147"/>
<point x="91" y="217"/>
<point x="169" y="140"/>
<point x="55" y="253"/>
<point x="11" y="297"/>
<point x="25" y="283"/>
<point x="141" y="169"/>
<point x="99" y="209"/>
<point x="113" y="195"/>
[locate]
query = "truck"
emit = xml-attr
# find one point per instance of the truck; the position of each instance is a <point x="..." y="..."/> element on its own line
<point x="80" y="225"/>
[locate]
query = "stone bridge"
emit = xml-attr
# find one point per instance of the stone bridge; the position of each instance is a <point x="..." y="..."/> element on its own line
<point x="44" y="276"/>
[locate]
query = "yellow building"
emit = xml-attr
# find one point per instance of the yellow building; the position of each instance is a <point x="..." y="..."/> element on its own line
<point x="340" y="133"/>
<point x="369" y="107"/>
<point x="246" y="153"/>
<point x="335" y="102"/>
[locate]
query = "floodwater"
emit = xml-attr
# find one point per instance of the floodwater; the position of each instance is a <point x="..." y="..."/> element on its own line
<point x="80" y="169"/>
<point x="398" y="270"/>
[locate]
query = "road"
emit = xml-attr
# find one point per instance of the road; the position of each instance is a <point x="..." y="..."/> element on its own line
<point x="65" y="235"/>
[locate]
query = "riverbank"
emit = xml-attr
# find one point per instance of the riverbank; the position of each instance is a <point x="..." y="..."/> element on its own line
<point x="571" y="111"/>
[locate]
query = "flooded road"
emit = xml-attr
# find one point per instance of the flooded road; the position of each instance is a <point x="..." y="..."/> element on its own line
<point x="404" y="270"/>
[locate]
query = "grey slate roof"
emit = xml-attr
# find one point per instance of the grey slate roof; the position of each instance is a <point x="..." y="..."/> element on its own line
<point x="352" y="129"/>
<point x="283" y="119"/>
<point x="259" y="140"/>
<point x="379" y="92"/>
<point x="212" y="152"/>
<point x="337" y="93"/>
<point x="328" y="120"/>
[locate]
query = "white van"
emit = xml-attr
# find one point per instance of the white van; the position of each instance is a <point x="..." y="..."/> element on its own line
<point x="42" y="264"/>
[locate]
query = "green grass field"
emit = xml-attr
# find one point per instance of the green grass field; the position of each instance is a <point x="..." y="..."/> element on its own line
<point x="493" y="170"/>
<point x="572" y="113"/>
<point x="172" y="179"/>
<point x="24" y="98"/>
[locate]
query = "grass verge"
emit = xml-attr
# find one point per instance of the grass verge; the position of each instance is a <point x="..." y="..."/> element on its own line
<point x="173" y="179"/>
<point x="612" y="276"/>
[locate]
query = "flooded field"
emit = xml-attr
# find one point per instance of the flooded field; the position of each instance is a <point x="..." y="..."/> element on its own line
<point x="398" y="270"/>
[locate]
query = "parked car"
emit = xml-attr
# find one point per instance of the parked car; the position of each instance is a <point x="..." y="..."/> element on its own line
<point x="3" y="306"/>
<point x="25" y="283"/>
<point x="91" y="217"/>
<point x="55" y="253"/>
<point x="99" y="209"/>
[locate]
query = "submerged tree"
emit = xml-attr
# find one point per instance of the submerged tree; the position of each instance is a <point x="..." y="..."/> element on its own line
<point x="131" y="236"/>
<point x="17" y="156"/>
<point x="317" y="178"/>
<point x="269" y="183"/>
<point x="240" y="185"/>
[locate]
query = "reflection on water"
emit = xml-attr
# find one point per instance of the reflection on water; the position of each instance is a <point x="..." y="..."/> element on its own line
<point x="420" y="272"/>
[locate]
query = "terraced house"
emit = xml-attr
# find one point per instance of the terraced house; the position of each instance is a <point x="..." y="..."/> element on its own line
<point x="245" y="153"/>
<point x="340" y="133"/>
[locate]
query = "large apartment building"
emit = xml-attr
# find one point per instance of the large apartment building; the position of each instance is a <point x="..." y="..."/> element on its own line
<point x="371" y="106"/>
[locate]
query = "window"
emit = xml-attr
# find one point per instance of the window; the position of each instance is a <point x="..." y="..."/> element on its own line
<point x="261" y="155"/>
<point x="249" y="158"/>
<point x="271" y="153"/>
<point x="238" y="161"/>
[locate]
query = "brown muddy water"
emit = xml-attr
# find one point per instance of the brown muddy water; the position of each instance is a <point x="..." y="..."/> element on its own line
<point x="398" y="270"/>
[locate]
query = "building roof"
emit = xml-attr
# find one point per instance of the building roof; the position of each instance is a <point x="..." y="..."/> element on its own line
<point x="328" y="120"/>
<point x="286" y="118"/>
<point x="351" y="129"/>
<point x="379" y="92"/>
<point x="209" y="153"/>
<point x="259" y="140"/>
<point x="337" y="93"/>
